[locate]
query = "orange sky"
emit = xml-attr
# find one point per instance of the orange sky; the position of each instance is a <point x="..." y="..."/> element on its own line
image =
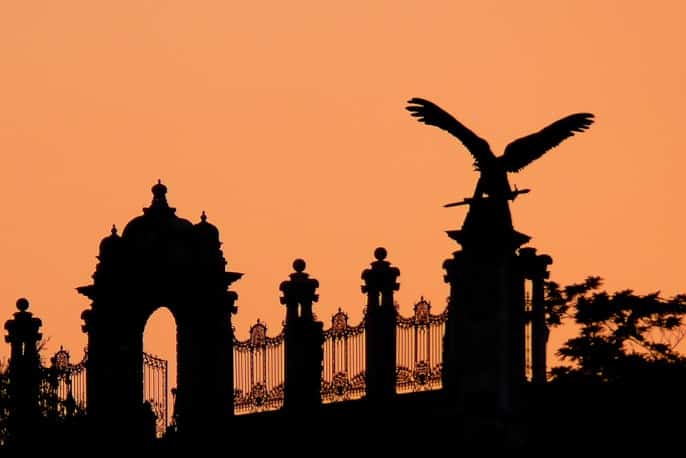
<point x="284" y="121"/>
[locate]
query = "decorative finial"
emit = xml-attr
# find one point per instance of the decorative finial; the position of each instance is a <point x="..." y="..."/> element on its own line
<point x="114" y="229"/>
<point x="159" y="190"/>
<point x="22" y="304"/>
<point x="380" y="253"/>
<point x="203" y="216"/>
<point x="299" y="265"/>
<point x="159" y="195"/>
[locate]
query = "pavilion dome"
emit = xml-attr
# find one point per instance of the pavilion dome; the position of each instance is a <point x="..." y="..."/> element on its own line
<point x="206" y="232"/>
<point x="109" y="245"/>
<point x="158" y="221"/>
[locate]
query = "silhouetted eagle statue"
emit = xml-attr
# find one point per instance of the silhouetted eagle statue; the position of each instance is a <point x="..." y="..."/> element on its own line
<point x="518" y="154"/>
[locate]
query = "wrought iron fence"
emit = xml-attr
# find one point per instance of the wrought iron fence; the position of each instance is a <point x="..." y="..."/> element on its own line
<point x="259" y="363"/>
<point x="64" y="386"/>
<point x="259" y="367"/>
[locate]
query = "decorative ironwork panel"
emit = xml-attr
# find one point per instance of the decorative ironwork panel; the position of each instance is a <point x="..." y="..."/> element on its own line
<point x="258" y="371"/>
<point x="343" y="377"/>
<point x="64" y="385"/>
<point x="259" y="361"/>
<point x="420" y="349"/>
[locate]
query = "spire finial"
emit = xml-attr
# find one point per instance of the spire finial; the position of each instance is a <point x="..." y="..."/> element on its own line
<point x="159" y="195"/>
<point x="203" y="216"/>
<point x="114" y="229"/>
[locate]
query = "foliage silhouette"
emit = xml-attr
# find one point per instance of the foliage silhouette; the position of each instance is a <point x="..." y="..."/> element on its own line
<point x="54" y="416"/>
<point x="623" y="337"/>
<point x="4" y="401"/>
<point x="624" y="378"/>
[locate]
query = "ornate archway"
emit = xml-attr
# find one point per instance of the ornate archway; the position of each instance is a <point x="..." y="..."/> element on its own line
<point x="160" y="260"/>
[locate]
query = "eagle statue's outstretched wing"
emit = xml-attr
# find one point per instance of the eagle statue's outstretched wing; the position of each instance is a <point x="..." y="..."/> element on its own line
<point x="525" y="150"/>
<point x="433" y="115"/>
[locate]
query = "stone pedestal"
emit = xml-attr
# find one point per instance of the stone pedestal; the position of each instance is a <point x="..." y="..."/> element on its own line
<point x="484" y="341"/>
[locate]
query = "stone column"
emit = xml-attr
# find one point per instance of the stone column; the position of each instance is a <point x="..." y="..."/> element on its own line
<point x="203" y="404"/>
<point x="536" y="270"/>
<point x="380" y="326"/>
<point x="303" y="342"/>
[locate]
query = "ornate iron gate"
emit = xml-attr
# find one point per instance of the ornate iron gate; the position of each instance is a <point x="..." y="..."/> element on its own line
<point x="155" y="389"/>
<point x="66" y="384"/>
<point x="420" y="349"/>
<point x="344" y="360"/>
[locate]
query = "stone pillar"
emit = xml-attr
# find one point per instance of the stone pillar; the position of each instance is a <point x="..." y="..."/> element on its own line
<point x="536" y="269"/>
<point x="483" y="320"/>
<point x="380" y="326"/>
<point x="25" y="374"/>
<point x="303" y="342"/>
<point x="203" y="404"/>
<point x="115" y="371"/>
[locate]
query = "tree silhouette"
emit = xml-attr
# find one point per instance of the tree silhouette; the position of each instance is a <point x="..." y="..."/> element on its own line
<point x="623" y="337"/>
<point x="4" y="401"/>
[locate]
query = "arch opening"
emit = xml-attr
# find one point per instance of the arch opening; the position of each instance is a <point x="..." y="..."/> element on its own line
<point x="159" y="367"/>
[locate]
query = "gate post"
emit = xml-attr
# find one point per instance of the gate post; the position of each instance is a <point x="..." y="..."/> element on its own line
<point x="25" y="373"/>
<point x="304" y="339"/>
<point x="380" y="322"/>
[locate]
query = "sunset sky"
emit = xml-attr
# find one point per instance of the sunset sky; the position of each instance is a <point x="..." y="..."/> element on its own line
<point x="285" y="122"/>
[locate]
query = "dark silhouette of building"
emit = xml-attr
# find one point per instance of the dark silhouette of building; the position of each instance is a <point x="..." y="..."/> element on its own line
<point x="160" y="260"/>
<point x="390" y="368"/>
